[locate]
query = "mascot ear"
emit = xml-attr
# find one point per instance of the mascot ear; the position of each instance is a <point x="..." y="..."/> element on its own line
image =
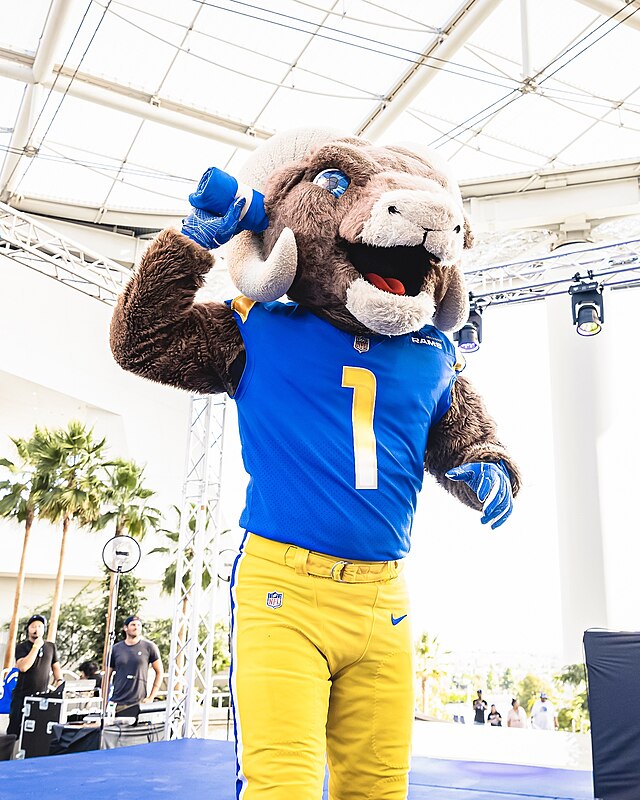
<point x="452" y="305"/>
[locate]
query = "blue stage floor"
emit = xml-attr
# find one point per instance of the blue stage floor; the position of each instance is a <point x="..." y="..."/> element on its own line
<point x="195" y="768"/>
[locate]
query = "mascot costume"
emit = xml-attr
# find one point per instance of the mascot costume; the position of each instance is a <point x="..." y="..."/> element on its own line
<point x="345" y="394"/>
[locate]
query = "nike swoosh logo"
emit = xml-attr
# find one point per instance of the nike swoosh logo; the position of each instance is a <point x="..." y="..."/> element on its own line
<point x="396" y="620"/>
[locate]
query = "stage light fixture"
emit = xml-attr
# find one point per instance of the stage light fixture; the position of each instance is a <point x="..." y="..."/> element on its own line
<point x="587" y="307"/>
<point x="469" y="337"/>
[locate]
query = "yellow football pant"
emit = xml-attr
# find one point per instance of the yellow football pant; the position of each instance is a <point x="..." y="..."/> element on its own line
<point x="321" y="670"/>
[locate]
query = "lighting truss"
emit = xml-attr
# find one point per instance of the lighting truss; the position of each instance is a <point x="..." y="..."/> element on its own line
<point x="35" y="245"/>
<point x="614" y="266"/>
<point x="189" y="693"/>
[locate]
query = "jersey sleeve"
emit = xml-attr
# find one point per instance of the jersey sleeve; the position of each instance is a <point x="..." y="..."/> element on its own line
<point x="456" y="366"/>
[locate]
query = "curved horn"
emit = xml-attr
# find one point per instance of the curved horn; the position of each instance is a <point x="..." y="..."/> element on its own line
<point x="452" y="310"/>
<point x="263" y="280"/>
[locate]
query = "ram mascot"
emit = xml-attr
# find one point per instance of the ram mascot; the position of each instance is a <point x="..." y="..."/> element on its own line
<point x="345" y="395"/>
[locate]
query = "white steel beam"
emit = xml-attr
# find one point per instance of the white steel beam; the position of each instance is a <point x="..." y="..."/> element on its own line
<point x="41" y="70"/>
<point x="11" y="168"/>
<point x="16" y="66"/>
<point x="595" y="192"/>
<point x="91" y="212"/>
<point x="525" y="36"/>
<point x="610" y="7"/>
<point x="462" y="25"/>
<point x="138" y="103"/>
<point x="45" y="54"/>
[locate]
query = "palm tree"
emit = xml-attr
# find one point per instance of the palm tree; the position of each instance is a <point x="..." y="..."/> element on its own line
<point x="124" y="501"/>
<point x="72" y="457"/>
<point x="428" y="670"/>
<point x="169" y="579"/>
<point x="169" y="575"/>
<point x="19" y="494"/>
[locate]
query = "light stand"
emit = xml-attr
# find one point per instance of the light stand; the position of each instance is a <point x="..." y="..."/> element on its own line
<point x="120" y="554"/>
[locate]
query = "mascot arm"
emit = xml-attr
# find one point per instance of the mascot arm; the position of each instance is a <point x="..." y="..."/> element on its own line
<point x="157" y="330"/>
<point x="466" y="435"/>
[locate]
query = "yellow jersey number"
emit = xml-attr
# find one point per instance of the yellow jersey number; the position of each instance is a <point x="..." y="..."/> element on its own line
<point x="363" y="383"/>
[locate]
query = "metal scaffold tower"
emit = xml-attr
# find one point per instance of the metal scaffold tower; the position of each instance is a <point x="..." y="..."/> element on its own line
<point x="189" y="693"/>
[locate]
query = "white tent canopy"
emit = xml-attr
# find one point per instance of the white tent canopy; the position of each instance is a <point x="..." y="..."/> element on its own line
<point x="112" y="109"/>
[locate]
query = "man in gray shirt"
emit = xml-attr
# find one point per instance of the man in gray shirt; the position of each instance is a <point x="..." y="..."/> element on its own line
<point x="130" y="661"/>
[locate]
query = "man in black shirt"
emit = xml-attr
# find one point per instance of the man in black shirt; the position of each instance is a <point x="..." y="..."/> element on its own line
<point x="131" y="660"/>
<point x="479" y="707"/>
<point x="35" y="659"/>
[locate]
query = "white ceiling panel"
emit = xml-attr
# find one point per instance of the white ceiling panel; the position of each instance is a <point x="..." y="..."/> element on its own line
<point x="22" y="24"/>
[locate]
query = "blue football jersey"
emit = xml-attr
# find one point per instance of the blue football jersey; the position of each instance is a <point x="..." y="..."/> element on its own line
<point x="334" y="429"/>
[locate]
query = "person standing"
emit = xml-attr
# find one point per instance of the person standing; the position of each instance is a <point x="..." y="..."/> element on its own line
<point x="35" y="660"/>
<point x="543" y="714"/>
<point x="517" y="716"/>
<point x="130" y="662"/>
<point x="479" y="708"/>
<point x="494" y="717"/>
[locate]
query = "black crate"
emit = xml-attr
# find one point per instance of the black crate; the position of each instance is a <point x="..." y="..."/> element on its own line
<point x="40" y="715"/>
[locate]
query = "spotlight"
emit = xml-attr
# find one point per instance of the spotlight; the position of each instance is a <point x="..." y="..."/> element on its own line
<point x="469" y="337"/>
<point x="587" y="308"/>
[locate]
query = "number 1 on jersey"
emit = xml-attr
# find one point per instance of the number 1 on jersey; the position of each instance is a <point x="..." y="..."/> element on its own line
<point x="363" y="383"/>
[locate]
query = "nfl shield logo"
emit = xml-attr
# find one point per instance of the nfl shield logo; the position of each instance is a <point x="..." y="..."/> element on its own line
<point x="274" y="599"/>
<point x="361" y="344"/>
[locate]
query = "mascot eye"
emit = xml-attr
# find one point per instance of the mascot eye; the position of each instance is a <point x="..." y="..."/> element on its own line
<point x="333" y="180"/>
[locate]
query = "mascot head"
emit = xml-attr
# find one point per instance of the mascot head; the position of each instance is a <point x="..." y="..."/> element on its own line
<point x="367" y="237"/>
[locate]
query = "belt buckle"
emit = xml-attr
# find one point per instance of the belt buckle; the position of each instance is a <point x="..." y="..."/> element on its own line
<point x="342" y="564"/>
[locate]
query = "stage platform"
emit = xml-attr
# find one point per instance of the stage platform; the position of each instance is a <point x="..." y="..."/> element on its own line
<point x="194" y="768"/>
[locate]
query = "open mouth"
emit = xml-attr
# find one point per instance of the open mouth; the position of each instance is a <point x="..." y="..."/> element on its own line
<point x="398" y="270"/>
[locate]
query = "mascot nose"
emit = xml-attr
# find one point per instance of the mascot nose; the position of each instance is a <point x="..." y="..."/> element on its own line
<point x="427" y="231"/>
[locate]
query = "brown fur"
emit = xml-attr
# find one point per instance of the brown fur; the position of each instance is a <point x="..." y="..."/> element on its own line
<point x="159" y="333"/>
<point x="466" y="433"/>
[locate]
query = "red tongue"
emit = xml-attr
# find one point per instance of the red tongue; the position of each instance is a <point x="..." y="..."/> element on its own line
<point x="392" y="285"/>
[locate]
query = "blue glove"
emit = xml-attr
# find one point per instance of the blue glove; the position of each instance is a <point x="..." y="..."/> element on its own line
<point x="492" y="485"/>
<point x="212" y="231"/>
<point x="216" y="193"/>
